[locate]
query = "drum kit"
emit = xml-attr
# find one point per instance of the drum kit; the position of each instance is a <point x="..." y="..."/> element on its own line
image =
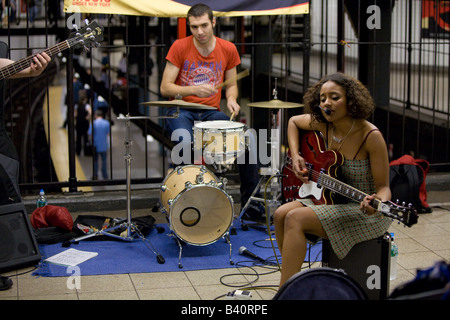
<point x="197" y="207"/>
<point x="194" y="200"/>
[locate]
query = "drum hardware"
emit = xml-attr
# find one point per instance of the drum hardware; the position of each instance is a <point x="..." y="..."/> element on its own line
<point x="221" y="168"/>
<point x="178" y="103"/>
<point x="274" y="171"/>
<point x="131" y="229"/>
<point x="197" y="208"/>
<point x="275" y="104"/>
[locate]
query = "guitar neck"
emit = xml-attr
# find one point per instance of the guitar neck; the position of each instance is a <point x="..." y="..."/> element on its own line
<point x="343" y="189"/>
<point x="24" y="63"/>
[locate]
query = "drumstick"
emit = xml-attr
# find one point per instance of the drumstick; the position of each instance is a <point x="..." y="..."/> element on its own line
<point x="232" y="116"/>
<point x="239" y="76"/>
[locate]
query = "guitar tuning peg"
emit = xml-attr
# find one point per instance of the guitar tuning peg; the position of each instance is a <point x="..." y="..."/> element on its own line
<point x="86" y="21"/>
<point x="74" y="26"/>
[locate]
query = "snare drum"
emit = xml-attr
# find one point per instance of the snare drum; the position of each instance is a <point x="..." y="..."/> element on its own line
<point x="199" y="211"/>
<point x="220" y="141"/>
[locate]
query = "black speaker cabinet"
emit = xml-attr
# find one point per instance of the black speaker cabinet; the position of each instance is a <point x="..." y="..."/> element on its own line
<point x="18" y="246"/>
<point x="368" y="263"/>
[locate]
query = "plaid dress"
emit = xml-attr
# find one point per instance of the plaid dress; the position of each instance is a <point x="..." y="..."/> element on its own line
<point x="345" y="224"/>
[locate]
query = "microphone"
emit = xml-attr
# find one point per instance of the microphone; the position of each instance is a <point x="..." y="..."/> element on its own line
<point x="243" y="251"/>
<point x="326" y="110"/>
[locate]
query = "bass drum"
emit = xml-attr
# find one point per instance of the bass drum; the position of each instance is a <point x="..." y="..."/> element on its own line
<point x="321" y="284"/>
<point x="201" y="214"/>
<point x="199" y="211"/>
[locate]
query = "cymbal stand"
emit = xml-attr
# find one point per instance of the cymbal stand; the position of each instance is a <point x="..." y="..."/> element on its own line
<point x="131" y="229"/>
<point x="272" y="173"/>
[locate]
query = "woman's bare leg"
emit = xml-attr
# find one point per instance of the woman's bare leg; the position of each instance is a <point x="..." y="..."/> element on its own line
<point x="278" y="220"/>
<point x="297" y="223"/>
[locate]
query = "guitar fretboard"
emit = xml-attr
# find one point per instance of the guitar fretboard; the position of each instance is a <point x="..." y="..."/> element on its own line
<point x="342" y="188"/>
<point x="24" y="63"/>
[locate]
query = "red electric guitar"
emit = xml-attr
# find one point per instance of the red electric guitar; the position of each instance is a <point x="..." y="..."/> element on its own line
<point x="323" y="182"/>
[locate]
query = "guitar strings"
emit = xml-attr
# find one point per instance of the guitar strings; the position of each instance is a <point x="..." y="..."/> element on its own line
<point x="21" y="64"/>
<point x="315" y="175"/>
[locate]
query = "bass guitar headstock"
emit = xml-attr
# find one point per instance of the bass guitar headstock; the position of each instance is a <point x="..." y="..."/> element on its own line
<point x="90" y="35"/>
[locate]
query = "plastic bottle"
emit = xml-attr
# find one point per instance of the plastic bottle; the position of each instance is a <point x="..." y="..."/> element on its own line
<point x="394" y="255"/>
<point x="41" y="201"/>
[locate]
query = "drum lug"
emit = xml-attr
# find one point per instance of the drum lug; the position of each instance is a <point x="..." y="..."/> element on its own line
<point x="212" y="183"/>
<point x="170" y="202"/>
<point x="199" y="178"/>
<point x="223" y="183"/>
<point x="163" y="188"/>
<point x="188" y="184"/>
<point x="180" y="170"/>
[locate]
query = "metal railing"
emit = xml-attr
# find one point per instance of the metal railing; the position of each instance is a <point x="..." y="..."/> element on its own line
<point x="301" y="50"/>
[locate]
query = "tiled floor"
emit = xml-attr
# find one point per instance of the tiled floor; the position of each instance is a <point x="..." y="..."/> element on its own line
<point x="420" y="247"/>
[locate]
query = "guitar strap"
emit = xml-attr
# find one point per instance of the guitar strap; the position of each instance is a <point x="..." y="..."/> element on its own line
<point x="326" y="140"/>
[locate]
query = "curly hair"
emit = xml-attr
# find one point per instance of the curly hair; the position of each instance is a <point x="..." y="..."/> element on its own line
<point x="360" y="104"/>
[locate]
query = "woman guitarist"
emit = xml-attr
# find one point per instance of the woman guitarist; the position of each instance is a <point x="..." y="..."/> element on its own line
<point x="337" y="108"/>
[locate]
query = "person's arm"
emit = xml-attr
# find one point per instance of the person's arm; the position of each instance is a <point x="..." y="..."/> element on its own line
<point x="379" y="162"/>
<point x="295" y="125"/>
<point x="170" y="89"/>
<point x="37" y="66"/>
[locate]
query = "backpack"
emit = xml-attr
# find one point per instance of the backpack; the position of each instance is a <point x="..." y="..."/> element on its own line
<point x="407" y="182"/>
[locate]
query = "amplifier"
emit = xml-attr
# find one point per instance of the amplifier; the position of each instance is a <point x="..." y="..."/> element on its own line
<point x="368" y="263"/>
<point x="18" y="245"/>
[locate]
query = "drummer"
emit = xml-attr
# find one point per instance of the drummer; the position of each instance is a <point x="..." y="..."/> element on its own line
<point x="196" y="65"/>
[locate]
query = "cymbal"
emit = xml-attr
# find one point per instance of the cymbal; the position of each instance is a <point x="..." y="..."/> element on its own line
<point x="275" y="104"/>
<point x="177" y="103"/>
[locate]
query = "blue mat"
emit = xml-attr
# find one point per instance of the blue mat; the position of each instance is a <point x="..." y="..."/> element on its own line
<point x="121" y="257"/>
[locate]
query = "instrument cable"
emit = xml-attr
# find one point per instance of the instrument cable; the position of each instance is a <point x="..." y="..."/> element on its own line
<point x="271" y="266"/>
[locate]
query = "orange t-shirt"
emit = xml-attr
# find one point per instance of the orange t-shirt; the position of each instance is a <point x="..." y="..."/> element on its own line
<point x="196" y="69"/>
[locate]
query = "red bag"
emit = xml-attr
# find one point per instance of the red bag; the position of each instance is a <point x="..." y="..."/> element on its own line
<point x="407" y="181"/>
<point x="51" y="216"/>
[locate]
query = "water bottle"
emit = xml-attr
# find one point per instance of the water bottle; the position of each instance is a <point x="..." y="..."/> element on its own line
<point x="394" y="255"/>
<point x="41" y="201"/>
